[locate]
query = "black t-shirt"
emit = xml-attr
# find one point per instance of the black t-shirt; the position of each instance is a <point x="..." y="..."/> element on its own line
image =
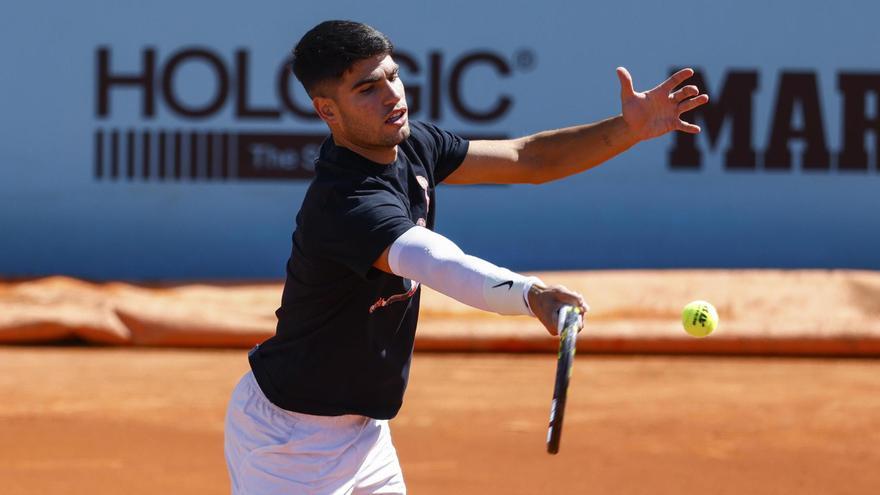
<point x="345" y="330"/>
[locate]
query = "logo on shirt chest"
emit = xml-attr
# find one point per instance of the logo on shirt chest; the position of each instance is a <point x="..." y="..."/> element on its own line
<point x="423" y="182"/>
<point x="413" y="285"/>
<point x="382" y="302"/>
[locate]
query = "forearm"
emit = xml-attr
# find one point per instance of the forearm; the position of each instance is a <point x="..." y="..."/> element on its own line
<point x="555" y="154"/>
<point x="427" y="257"/>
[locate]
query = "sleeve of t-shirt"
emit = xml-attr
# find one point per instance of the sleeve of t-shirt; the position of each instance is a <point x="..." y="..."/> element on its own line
<point x="356" y="227"/>
<point x="448" y="149"/>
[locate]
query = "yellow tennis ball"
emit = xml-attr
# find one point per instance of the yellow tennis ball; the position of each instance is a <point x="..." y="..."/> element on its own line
<point x="699" y="318"/>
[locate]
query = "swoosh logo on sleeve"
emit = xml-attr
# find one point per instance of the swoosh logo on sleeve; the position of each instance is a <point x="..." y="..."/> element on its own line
<point x="509" y="285"/>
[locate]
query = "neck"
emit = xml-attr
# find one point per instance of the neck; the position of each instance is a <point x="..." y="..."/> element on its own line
<point x="381" y="155"/>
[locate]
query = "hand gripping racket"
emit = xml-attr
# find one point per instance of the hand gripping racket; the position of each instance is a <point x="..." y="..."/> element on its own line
<point x="570" y="322"/>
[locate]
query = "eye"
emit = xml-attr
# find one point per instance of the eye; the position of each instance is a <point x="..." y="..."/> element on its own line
<point x="394" y="76"/>
<point x="367" y="90"/>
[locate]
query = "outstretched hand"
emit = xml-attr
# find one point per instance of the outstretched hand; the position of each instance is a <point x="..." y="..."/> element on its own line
<point x="658" y="111"/>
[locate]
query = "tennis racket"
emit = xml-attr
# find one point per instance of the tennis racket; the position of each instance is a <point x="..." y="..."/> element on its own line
<point x="570" y="322"/>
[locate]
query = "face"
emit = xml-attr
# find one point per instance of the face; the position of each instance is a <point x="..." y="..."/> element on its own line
<point x="367" y="108"/>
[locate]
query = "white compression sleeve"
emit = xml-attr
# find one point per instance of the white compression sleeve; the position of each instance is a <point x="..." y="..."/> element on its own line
<point x="427" y="257"/>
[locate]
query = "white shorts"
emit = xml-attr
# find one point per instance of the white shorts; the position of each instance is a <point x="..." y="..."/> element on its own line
<point x="270" y="450"/>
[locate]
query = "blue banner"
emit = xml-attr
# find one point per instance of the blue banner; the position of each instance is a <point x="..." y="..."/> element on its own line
<point x="166" y="140"/>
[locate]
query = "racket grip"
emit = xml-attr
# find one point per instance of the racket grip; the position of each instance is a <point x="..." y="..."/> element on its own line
<point x="567" y="314"/>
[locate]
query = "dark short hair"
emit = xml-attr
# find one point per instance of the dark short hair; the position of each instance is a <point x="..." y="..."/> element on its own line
<point x="332" y="47"/>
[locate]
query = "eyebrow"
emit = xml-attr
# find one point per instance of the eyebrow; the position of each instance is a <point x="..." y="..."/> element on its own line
<point x="372" y="78"/>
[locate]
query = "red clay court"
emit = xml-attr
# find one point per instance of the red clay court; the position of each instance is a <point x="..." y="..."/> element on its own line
<point x="146" y="416"/>
<point x="82" y="420"/>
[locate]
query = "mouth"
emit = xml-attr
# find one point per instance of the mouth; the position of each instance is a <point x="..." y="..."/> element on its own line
<point x="397" y="117"/>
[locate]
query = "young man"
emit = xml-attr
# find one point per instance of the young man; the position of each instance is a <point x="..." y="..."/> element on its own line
<point x="311" y="415"/>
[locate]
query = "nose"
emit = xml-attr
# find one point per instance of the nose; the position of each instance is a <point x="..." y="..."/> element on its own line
<point x="394" y="91"/>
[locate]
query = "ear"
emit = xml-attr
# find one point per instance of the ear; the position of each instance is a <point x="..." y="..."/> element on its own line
<point x="325" y="108"/>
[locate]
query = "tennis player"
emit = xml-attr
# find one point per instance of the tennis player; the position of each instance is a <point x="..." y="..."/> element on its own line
<point x="312" y="414"/>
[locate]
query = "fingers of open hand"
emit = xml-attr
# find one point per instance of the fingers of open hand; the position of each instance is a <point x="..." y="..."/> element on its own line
<point x="688" y="127"/>
<point x="684" y="93"/>
<point x="676" y="79"/>
<point x="626" y="83"/>
<point x="688" y="105"/>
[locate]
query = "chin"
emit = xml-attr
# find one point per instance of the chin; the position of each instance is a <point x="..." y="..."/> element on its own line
<point x="399" y="136"/>
<point x="404" y="132"/>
